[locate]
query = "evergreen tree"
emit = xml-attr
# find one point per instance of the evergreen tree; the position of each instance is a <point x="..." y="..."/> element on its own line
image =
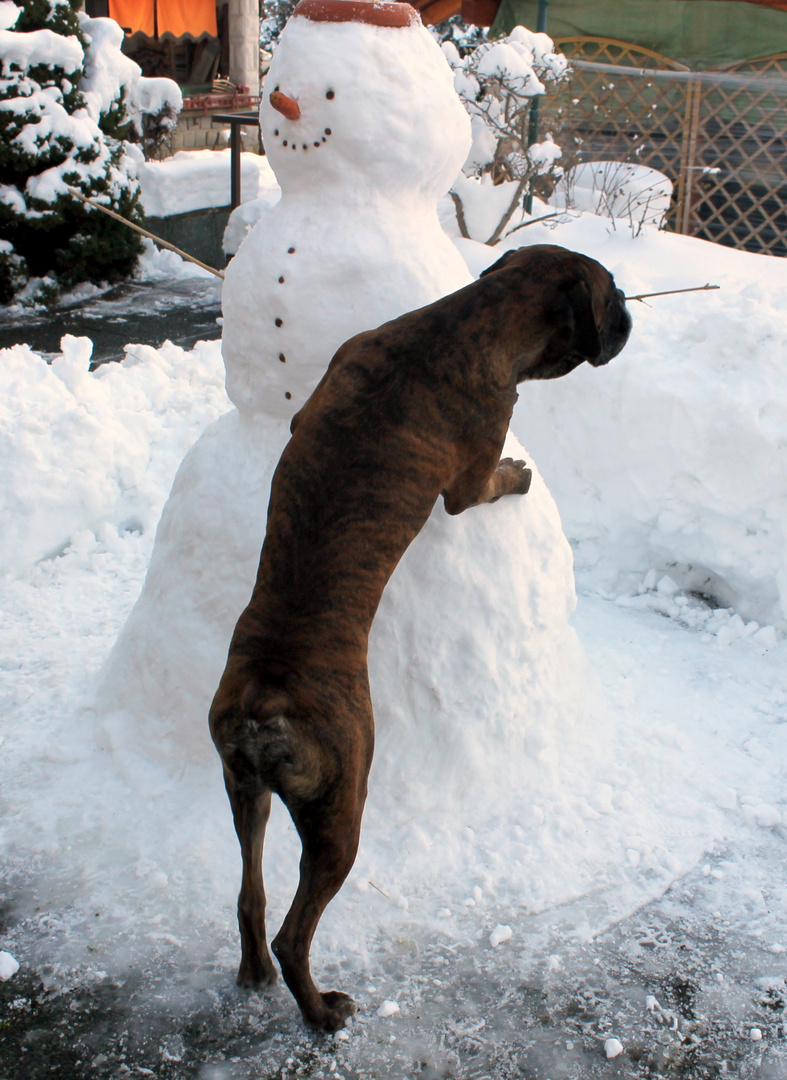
<point x="273" y="17"/>
<point x="54" y="137"/>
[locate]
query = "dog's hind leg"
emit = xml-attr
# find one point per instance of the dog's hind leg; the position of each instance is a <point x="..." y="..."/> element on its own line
<point x="329" y="832"/>
<point x="251" y="807"/>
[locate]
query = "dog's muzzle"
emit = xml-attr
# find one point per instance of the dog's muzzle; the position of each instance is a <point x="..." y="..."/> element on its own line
<point x="615" y="331"/>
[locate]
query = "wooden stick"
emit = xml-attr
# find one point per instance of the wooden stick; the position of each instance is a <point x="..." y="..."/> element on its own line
<point x="150" y="235"/>
<point x="671" y="292"/>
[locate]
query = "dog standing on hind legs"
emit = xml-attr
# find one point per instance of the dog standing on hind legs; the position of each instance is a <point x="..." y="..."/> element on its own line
<point x="414" y="409"/>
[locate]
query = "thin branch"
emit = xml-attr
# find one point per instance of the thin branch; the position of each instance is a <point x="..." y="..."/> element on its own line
<point x="671" y="292"/>
<point x="520" y="188"/>
<point x="460" y="214"/>
<point x="534" y="221"/>
<point x="150" y="235"/>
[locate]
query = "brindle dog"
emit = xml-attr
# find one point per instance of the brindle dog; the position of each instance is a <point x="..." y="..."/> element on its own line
<point x="417" y="408"/>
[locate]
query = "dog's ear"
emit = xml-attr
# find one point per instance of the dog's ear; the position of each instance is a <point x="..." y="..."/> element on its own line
<point x="585" y="337"/>
<point x="501" y="262"/>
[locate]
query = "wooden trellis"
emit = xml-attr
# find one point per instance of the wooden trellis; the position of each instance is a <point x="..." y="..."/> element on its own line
<point x="720" y="136"/>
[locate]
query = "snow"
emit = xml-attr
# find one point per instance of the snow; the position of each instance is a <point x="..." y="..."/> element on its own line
<point x="107" y="79"/>
<point x="634" y="193"/>
<point x="506" y="61"/>
<point x="683" y="753"/>
<point x="50" y="122"/>
<point x="96" y="449"/>
<point x="110" y="76"/>
<point x="652" y="730"/>
<point x="196" y="179"/>
<point x="38" y="47"/>
<point x="9" y="13"/>
<point x="613" y="1047"/>
<point x="500" y="934"/>
<point x="107" y="70"/>
<point x="387" y="1008"/>
<point x="687" y="430"/>
<point x="9" y="966"/>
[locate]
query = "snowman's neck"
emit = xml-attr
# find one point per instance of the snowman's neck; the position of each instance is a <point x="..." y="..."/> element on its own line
<point x="352" y="201"/>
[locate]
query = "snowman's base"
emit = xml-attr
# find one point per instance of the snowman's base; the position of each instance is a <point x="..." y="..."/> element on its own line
<point x="474" y="668"/>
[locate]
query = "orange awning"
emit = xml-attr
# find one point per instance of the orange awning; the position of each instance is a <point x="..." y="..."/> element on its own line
<point x="133" y="15"/>
<point x="176" y="17"/>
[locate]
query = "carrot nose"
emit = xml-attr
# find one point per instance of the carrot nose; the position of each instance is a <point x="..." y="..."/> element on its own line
<point x="285" y="105"/>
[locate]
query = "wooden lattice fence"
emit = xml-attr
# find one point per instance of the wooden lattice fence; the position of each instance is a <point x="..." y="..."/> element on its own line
<point x="720" y="136"/>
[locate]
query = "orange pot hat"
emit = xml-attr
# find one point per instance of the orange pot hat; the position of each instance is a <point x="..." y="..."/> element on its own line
<point x="375" y="12"/>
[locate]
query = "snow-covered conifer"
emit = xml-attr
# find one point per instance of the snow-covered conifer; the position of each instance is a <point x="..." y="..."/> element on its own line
<point x="68" y="106"/>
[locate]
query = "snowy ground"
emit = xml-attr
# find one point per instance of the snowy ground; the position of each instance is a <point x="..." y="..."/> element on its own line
<point x="120" y="877"/>
<point x="682" y="982"/>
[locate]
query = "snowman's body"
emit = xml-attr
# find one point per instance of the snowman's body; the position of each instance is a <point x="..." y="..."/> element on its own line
<point x="471" y="647"/>
<point x="323" y="281"/>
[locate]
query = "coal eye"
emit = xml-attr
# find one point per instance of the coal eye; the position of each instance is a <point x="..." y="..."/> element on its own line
<point x="330" y="95"/>
<point x="275" y="89"/>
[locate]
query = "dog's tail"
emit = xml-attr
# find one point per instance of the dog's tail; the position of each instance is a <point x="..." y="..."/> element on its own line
<point x="263" y="741"/>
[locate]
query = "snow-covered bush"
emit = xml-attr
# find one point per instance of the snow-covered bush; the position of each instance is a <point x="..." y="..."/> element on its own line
<point x="497" y="82"/>
<point x="633" y="194"/>
<point x="465" y="37"/>
<point x="70" y="104"/>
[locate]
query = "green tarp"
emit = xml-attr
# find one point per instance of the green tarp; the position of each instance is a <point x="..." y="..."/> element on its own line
<point x="699" y="33"/>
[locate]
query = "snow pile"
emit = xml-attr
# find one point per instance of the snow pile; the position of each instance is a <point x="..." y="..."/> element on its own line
<point x="161" y="264"/>
<point x="616" y="189"/>
<point x="197" y="179"/>
<point x="81" y="449"/>
<point x="672" y="457"/>
<point x="663" y="595"/>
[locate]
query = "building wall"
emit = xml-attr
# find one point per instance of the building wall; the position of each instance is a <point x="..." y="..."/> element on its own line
<point x="244" y="34"/>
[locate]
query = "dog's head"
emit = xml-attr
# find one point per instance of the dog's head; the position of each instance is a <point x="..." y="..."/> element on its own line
<point x="584" y="312"/>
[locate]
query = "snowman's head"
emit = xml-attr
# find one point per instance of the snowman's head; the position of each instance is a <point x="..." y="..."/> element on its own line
<point x="359" y="96"/>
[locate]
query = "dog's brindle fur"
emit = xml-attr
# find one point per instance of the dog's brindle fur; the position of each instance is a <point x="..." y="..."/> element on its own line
<point x="417" y="408"/>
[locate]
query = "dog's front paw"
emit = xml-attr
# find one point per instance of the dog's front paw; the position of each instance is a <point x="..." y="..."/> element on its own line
<point x="511" y="478"/>
<point x="336" y="1009"/>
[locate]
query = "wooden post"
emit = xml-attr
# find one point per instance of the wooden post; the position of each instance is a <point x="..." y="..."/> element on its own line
<point x="689" y="167"/>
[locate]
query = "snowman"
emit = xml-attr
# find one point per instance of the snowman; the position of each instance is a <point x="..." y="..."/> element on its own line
<point x="364" y="132"/>
<point x="471" y="654"/>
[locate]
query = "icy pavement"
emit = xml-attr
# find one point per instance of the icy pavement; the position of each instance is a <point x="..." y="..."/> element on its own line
<point x="690" y="985"/>
<point x="182" y="310"/>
